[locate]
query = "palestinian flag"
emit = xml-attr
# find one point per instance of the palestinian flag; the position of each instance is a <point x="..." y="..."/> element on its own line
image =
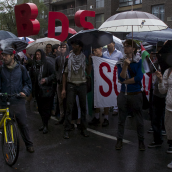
<point x="145" y="66"/>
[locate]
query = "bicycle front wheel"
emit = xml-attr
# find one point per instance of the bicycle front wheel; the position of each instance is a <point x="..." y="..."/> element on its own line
<point x="10" y="143"/>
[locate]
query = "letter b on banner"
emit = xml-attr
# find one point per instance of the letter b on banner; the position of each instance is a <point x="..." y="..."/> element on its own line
<point x="26" y="19"/>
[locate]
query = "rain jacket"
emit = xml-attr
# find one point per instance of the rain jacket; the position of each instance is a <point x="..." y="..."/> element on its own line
<point x="46" y="71"/>
<point x="14" y="81"/>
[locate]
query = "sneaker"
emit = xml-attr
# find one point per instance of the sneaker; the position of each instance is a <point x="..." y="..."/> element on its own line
<point x="105" y="123"/>
<point x="141" y="145"/>
<point x="72" y="127"/>
<point x="119" y="144"/>
<point x="164" y="133"/>
<point x="66" y="135"/>
<point x="30" y="149"/>
<point x="154" y="145"/>
<point x="169" y="165"/>
<point x="169" y="150"/>
<point x="150" y="130"/>
<point x="94" y="121"/>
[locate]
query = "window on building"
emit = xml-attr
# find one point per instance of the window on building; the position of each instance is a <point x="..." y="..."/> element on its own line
<point x="123" y="3"/>
<point x="159" y="11"/>
<point x="99" y="20"/>
<point x="99" y="3"/>
<point x="138" y="1"/>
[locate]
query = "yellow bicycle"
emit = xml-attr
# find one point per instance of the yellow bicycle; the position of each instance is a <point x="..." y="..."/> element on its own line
<point x="10" y="137"/>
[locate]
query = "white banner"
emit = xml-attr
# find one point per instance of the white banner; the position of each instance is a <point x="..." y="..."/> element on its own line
<point x="106" y="85"/>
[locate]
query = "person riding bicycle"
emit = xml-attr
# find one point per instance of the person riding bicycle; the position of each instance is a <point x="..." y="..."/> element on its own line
<point x="14" y="79"/>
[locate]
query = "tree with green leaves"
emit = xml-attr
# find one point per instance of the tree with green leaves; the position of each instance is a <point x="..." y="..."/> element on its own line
<point x="7" y="15"/>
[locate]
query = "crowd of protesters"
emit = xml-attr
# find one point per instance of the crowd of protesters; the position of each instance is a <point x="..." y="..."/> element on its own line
<point x="59" y="74"/>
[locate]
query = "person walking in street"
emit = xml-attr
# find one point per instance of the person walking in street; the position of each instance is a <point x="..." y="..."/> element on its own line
<point x="130" y="97"/>
<point x="51" y="58"/>
<point x="14" y="79"/>
<point x="75" y="78"/>
<point x="59" y="65"/>
<point x="113" y="54"/>
<point x="165" y="87"/>
<point x="158" y="111"/>
<point x="42" y="74"/>
<point x="96" y="120"/>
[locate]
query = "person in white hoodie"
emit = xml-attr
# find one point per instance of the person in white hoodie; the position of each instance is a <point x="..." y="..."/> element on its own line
<point x="165" y="86"/>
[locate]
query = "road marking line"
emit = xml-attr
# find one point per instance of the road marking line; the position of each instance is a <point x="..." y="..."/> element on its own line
<point x="99" y="133"/>
<point x="106" y="135"/>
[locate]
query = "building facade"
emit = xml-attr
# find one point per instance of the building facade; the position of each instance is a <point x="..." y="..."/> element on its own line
<point x="160" y="8"/>
<point x="103" y="9"/>
<point x="106" y="8"/>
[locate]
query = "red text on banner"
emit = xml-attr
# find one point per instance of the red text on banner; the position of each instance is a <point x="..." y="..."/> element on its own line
<point x="26" y="19"/>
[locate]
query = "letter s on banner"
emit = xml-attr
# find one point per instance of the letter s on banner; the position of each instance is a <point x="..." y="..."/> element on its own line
<point x="51" y="25"/>
<point x="80" y="19"/>
<point x="26" y="19"/>
<point x="105" y="94"/>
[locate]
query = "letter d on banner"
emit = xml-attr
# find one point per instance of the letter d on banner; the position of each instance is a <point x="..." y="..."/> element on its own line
<point x="51" y="25"/>
<point x="26" y="19"/>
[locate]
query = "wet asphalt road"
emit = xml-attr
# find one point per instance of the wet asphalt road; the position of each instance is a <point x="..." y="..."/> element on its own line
<point x="93" y="154"/>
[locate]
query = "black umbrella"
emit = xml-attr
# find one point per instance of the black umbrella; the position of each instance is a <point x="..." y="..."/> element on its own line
<point x="152" y="37"/>
<point x="165" y="56"/>
<point x="92" y="38"/>
<point x="5" y="34"/>
<point x="19" y="44"/>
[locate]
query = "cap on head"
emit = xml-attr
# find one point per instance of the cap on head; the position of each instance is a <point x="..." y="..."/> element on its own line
<point x="8" y="51"/>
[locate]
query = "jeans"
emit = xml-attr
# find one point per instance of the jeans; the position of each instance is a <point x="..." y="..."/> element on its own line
<point x="134" y="103"/>
<point x="44" y="108"/>
<point x="72" y="91"/>
<point x="157" y="118"/>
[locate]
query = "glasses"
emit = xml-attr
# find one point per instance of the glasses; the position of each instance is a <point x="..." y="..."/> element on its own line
<point x="126" y="46"/>
<point x="62" y="47"/>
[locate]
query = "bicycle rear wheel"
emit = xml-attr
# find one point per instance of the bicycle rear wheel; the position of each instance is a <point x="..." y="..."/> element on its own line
<point x="10" y="148"/>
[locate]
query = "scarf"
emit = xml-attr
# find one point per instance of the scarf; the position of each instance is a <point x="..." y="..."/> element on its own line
<point x="12" y="66"/>
<point x="76" y="62"/>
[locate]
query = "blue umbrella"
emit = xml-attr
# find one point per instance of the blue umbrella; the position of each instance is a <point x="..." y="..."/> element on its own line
<point x="5" y="34"/>
<point x="152" y="37"/>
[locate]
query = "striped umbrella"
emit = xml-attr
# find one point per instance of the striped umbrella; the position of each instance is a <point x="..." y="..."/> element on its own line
<point x="18" y="44"/>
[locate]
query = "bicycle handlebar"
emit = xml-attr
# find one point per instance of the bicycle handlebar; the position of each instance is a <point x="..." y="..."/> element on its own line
<point x="9" y="95"/>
